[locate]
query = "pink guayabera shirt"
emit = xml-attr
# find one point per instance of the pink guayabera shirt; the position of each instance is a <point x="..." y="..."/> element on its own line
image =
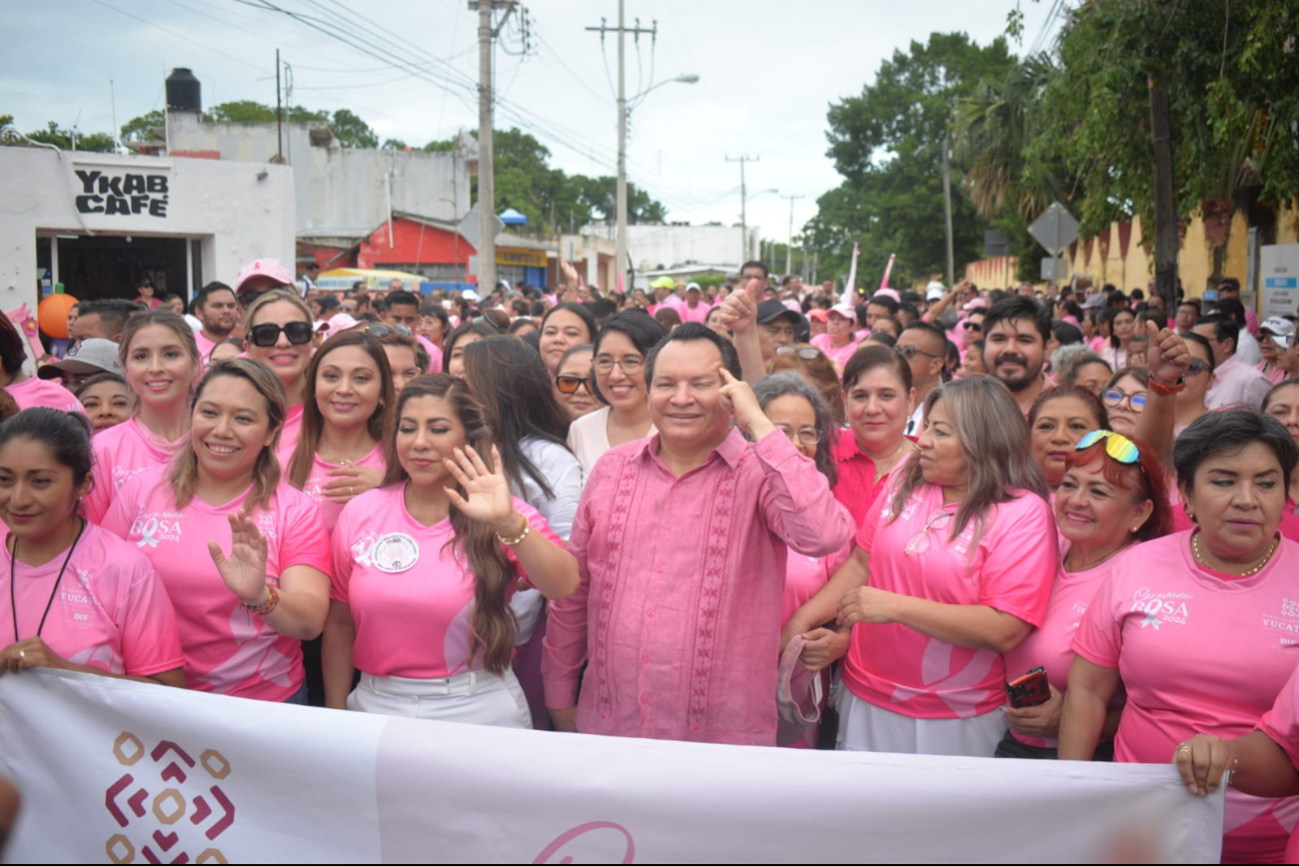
<point x="679" y="609"/>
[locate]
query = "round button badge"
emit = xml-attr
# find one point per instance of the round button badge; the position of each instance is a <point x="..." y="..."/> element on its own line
<point x="394" y="553"/>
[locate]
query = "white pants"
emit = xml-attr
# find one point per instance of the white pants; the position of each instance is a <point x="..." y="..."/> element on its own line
<point x="472" y="698"/>
<point x="864" y="727"/>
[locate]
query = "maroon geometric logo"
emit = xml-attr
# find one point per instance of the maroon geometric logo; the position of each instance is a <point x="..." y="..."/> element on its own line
<point x="149" y="801"/>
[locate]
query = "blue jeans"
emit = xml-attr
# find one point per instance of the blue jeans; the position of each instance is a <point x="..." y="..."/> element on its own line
<point x="299" y="697"/>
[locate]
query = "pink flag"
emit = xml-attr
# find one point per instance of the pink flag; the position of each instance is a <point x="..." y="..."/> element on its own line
<point x="888" y="269"/>
<point x="849" y="296"/>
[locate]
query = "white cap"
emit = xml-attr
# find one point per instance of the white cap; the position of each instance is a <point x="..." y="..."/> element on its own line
<point x="935" y="292"/>
<point x="1282" y="330"/>
<point x="469" y="295"/>
<point x="846" y="311"/>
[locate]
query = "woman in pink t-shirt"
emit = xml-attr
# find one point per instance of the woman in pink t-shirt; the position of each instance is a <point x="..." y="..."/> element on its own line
<point x="952" y="568"/>
<point x="798" y="411"/>
<point x="1113" y="496"/>
<point x="1282" y="403"/>
<point x="345" y="423"/>
<point x="277" y="334"/>
<point x="161" y="363"/>
<point x="28" y="391"/>
<point x="79" y="598"/>
<point x="1057" y="420"/>
<point x="1199" y="626"/>
<point x="244" y="555"/>
<point x="424" y="569"/>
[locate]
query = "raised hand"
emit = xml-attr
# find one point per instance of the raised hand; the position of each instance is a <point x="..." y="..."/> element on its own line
<point x="487" y="492"/>
<point x="568" y="274"/>
<point x="1167" y="357"/>
<point x="244" y="570"/>
<point x="738" y="399"/>
<point x="740" y="309"/>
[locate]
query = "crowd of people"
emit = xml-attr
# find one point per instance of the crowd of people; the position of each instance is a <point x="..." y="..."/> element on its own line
<point x="1039" y="525"/>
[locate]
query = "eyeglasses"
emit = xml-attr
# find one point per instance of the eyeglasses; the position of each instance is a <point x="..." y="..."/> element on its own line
<point x="806" y="436"/>
<point x="267" y="335"/>
<point x="631" y="364"/>
<point x="1197" y="367"/>
<point x="379" y="330"/>
<point x="807" y="353"/>
<point x="972" y="326"/>
<point x="919" y="542"/>
<point x="1114" y="398"/>
<point x="910" y="352"/>
<point x="570" y="384"/>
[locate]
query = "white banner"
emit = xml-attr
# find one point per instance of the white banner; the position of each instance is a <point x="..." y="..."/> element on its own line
<point x="116" y="771"/>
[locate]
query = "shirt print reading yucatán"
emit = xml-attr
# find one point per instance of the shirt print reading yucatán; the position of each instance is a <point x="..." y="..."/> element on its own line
<point x="1198" y="652"/>
<point x="120" y="453"/>
<point x="228" y="649"/>
<point x="411" y="593"/>
<point x="111" y="611"/>
<point x="1010" y="568"/>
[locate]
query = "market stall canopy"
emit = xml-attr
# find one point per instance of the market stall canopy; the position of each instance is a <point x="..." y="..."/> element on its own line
<point x="511" y="217"/>
<point x="342" y="278"/>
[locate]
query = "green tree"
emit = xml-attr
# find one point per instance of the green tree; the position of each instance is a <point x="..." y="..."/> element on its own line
<point x="141" y="128"/>
<point x="887" y="144"/>
<point x="94" y="142"/>
<point x="352" y="131"/>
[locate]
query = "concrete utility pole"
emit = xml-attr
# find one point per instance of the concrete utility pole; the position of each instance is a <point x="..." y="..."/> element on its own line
<point x="622" y="30"/>
<point x="486" y="166"/>
<point x="744" y="215"/>
<point x="789" y="247"/>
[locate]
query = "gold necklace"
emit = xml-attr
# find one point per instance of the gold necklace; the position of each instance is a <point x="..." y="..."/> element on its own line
<point x="882" y="470"/>
<point x="1199" y="557"/>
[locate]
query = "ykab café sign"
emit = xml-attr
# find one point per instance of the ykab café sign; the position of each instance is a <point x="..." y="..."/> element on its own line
<point x="122" y="193"/>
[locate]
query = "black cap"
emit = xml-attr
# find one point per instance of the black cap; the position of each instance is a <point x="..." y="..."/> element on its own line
<point x="771" y="309"/>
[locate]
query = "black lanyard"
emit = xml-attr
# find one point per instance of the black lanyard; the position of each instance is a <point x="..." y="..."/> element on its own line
<point x="13" y="601"/>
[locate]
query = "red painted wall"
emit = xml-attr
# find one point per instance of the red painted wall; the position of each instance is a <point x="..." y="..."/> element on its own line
<point x="435" y="246"/>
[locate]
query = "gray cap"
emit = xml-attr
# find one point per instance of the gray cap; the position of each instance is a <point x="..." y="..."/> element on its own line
<point x="85" y="358"/>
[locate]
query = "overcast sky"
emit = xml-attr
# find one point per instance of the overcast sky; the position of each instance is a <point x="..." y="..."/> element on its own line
<point x="768" y="71"/>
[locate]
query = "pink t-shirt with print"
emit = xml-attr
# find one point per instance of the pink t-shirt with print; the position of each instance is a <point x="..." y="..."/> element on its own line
<point x="1199" y="652"/>
<point x="32" y="392"/>
<point x="1011" y="569"/>
<point x="805" y="576"/>
<point x="289" y="436"/>
<point x="111" y="611"/>
<point x="1050" y="644"/>
<point x="412" y="596"/>
<point x="120" y="453"/>
<point x="228" y="649"/>
<point x="320" y="478"/>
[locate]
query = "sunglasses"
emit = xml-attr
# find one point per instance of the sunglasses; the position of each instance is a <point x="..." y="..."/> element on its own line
<point x="972" y="326"/>
<point x="807" y="353"/>
<point x="570" y="384"/>
<point x="1118" y="446"/>
<point x="268" y="335"/>
<point x="1197" y="367"/>
<point x="379" y="330"/>
<point x="910" y="352"/>
<point x="1113" y="398"/>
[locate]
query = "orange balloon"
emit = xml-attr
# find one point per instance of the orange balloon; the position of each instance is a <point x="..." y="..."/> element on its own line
<point x="52" y="314"/>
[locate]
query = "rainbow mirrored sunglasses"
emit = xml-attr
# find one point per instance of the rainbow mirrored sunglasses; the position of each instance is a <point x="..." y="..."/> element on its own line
<point x="1118" y="446"/>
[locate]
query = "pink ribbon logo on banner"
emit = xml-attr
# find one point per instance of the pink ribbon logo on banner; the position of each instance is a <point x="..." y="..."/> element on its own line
<point x="564" y="838"/>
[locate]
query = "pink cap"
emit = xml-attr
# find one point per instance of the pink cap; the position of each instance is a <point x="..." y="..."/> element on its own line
<point x="339" y="323"/>
<point x="889" y="293"/>
<point x="793" y="305"/>
<point x="844" y="310"/>
<point x="976" y="304"/>
<point x="819" y="314"/>
<point x="271" y="269"/>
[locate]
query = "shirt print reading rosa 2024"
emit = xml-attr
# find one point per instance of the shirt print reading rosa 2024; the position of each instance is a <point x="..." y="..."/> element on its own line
<point x="123" y="194"/>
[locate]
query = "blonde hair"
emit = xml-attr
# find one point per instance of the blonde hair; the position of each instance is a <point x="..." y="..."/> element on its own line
<point x="266" y="471"/>
<point x="995" y="443"/>
<point x="275" y="296"/>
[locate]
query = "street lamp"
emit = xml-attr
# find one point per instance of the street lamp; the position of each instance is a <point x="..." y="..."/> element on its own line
<point x="623" y="116"/>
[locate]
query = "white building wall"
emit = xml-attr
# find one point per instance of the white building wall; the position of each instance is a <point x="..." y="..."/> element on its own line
<point x="340" y="191"/>
<point x="237" y="215"/>
<point x="652" y="247"/>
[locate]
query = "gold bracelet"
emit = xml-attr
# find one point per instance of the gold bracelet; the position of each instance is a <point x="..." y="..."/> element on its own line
<point x="523" y="533"/>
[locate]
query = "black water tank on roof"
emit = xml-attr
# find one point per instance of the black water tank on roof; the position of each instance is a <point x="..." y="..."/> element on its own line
<point x="183" y="91"/>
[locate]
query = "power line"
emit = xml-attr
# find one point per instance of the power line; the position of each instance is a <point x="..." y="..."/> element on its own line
<point x="181" y="36"/>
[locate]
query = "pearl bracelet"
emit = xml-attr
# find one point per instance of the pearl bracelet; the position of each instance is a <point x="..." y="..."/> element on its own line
<point x="523" y="533"/>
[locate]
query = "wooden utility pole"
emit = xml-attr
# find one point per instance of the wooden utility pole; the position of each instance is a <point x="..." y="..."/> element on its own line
<point x="486" y="166"/>
<point x="1165" y="208"/>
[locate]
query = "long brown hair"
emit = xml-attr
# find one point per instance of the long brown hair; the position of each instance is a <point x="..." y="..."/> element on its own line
<point x="995" y="443"/>
<point x="492" y="628"/>
<point x="266" y="471"/>
<point x="313" y="422"/>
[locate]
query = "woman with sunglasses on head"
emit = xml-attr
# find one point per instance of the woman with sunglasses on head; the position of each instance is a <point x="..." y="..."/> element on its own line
<point x="79" y="598"/>
<point x="797" y="410"/>
<point x="277" y="334"/>
<point x="161" y="361"/>
<point x="1124" y="396"/>
<point x="425" y="567"/>
<point x="1112" y="497"/>
<point x="345" y="421"/>
<point x="244" y="555"/>
<point x="952" y="569"/>
<point x="574" y="388"/>
<point x="819" y="372"/>
<point x="1197" y="626"/>
<point x="1058" y="419"/>
<point x="619" y="366"/>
